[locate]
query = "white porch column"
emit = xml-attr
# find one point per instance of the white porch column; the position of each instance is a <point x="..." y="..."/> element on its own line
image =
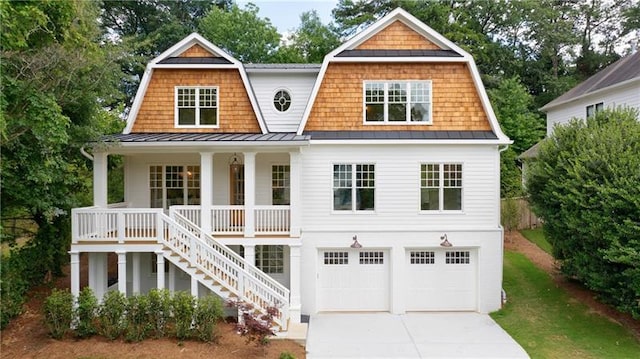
<point x="295" y="209"/>
<point x="135" y="285"/>
<point x="206" y="190"/>
<point x="98" y="273"/>
<point x="249" y="193"/>
<point x="100" y="179"/>
<point x="75" y="273"/>
<point x="160" y="269"/>
<point x="295" y="306"/>
<point x="122" y="272"/>
<point x="250" y="254"/>
<point x="194" y="286"/>
<point x="172" y="277"/>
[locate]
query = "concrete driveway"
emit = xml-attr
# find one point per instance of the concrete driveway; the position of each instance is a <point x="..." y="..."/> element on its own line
<point x="412" y="335"/>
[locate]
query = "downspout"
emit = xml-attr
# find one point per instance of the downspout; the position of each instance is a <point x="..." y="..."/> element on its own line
<point x="503" y="293"/>
<point x="84" y="153"/>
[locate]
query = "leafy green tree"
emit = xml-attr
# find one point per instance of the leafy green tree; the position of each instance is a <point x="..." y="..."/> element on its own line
<point x="584" y="185"/>
<point x="310" y="42"/>
<point x="58" y="90"/>
<point x="242" y="33"/>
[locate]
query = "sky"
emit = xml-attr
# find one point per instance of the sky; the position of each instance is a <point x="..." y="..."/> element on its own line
<point x="285" y="14"/>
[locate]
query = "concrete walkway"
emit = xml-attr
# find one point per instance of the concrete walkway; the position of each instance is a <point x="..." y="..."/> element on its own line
<point x="412" y="335"/>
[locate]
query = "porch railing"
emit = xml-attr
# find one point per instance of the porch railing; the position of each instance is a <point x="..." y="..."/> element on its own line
<point x="114" y="224"/>
<point x="230" y="220"/>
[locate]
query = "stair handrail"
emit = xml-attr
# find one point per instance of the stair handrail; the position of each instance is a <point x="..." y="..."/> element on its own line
<point x="280" y="301"/>
<point x="254" y="271"/>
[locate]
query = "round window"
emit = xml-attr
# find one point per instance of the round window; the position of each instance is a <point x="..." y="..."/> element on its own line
<point x="282" y="100"/>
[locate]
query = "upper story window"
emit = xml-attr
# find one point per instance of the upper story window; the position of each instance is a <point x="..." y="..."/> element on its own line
<point x="595" y="108"/>
<point x="440" y="187"/>
<point x="282" y="100"/>
<point x="354" y="187"/>
<point x="196" y="107"/>
<point x="280" y="183"/>
<point x="397" y="102"/>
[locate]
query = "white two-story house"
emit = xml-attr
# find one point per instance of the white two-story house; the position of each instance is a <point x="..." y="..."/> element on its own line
<point x="370" y="182"/>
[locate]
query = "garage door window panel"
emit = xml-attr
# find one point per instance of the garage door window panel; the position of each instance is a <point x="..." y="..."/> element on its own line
<point x="422" y="257"/>
<point x="457" y="257"/>
<point x="371" y="258"/>
<point x="336" y="258"/>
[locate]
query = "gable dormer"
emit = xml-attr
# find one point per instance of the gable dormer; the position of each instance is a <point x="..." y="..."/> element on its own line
<point x="399" y="75"/>
<point x="195" y="87"/>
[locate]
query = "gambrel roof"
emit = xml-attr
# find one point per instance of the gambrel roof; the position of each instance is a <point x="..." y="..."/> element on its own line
<point x="620" y="73"/>
<point x="170" y="59"/>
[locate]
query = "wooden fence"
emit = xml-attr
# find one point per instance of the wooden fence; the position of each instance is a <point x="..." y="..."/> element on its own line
<point x="528" y="219"/>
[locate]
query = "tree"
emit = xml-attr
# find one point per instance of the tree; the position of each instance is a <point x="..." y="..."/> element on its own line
<point x="58" y="90"/>
<point x="241" y="33"/>
<point x="584" y="185"/>
<point x="310" y="42"/>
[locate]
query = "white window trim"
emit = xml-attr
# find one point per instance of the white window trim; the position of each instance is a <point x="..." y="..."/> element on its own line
<point x="271" y="178"/>
<point x="407" y="120"/>
<point x="197" y="125"/>
<point x="185" y="182"/>
<point x="353" y="210"/>
<point x="441" y="187"/>
<point x="596" y="107"/>
<point x="290" y="100"/>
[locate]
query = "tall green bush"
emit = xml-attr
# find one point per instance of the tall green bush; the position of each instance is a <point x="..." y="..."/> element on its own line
<point x="137" y="317"/>
<point x="86" y="312"/>
<point x="58" y="312"/>
<point x="182" y="305"/>
<point x="111" y="322"/>
<point x="585" y="184"/>
<point x="159" y="311"/>
<point x="207" y="313"/>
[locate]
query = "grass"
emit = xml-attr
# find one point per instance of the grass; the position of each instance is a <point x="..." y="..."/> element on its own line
<point x="537" y="237"/>
<point x="548" y="323"/>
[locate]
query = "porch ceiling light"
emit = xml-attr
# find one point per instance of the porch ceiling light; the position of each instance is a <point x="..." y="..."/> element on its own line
<point x="355" y="243"/>
<point x="445" y="241"/>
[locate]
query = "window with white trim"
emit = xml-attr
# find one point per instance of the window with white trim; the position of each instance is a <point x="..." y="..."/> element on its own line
<point x="397" y="102"/>
<point x="280" y="183"/>
<point x="282" y="100"/>
<point x="196" y="107"/>
<point x="595" y="108"/>
<point x="353" y="187"/>
<point x="270" y="259"/>
<point x="441" y="187"/>
<point x="174" y="185"/>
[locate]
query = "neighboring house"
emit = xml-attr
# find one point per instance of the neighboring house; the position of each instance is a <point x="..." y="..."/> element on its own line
<point x="617" y="85"/>
<point x="368" y="183"/>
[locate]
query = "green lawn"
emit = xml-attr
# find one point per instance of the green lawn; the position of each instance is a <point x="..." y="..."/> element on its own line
<point x="537" y="237"/>
<point x="548" y="323"/>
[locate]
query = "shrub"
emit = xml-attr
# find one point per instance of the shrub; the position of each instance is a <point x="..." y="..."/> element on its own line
<point x="58" y="312"/>
<point x="255" y="326"/>
<point x="111" y="315"/>
<point x="286" y="355"/>
<point x="86" y="313"/>
<point x="138" y="323"/>
<point x="207" y="313"/>
<point x="510" y="214"/>
<point x="182" y="305"/>
<point x="584" y="185"/>
<point x="159" y="311"/>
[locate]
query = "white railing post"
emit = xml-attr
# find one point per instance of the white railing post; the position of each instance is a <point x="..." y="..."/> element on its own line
<point x="122" y="272"/>
<point x="120" y="225"/>
<point x="249" y="193"/>
<point x="75" y="223"/>
<point x="160" y="227"/>
<point x="294" y="283"/>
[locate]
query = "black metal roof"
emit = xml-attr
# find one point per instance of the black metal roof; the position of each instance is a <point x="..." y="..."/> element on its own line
<point x="398" y="53"/>
<point x="205" y="137"/>
<point x="401" y="135"/>
<point x="195" y="61"/>
<point x="283" y="66"/>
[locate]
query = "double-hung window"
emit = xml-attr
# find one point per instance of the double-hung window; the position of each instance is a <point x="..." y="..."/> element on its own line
<point x="174" y="185"/>
<point x="280" y="183"/>
<point x="441" y="187"/>
<point x="397" y="102"/>
<point x="595" y="108"/>
<point x="196" y="107"/>
<point x="354" y="187"/>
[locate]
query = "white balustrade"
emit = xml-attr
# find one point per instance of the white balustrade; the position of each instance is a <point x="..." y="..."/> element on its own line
<point x="192" y="213"/>
<point x="117" y="224"/>
<point x="227" y="219"/>
<point x="272" y="219"/>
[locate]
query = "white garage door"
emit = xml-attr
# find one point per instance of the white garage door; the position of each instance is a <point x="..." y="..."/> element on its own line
<point x="441" y="280"/>
<point x="353" y="280"/>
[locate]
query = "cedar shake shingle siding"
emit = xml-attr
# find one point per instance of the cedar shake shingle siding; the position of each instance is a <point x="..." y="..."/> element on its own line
<point x="196" y="51"/>
<point x="456" y="105"/>
<point x="397" y="36"/>
<point x="158" y="106"/>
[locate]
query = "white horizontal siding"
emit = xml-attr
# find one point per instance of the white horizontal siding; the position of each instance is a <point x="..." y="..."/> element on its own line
<point x="299" y="85"/>
<point x="397" y="181"/>
<point x="622" y="96"/>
